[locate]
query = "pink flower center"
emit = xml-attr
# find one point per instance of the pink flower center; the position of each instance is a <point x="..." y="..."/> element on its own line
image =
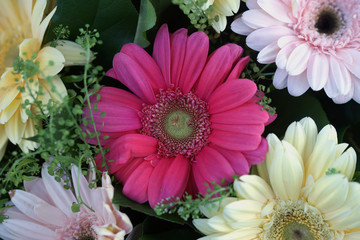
<point x="80" y="226"/>
<point x="329" y="25"/>
<point x="179" y="121"/>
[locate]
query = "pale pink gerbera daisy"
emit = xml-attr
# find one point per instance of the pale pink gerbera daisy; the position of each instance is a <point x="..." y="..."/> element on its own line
<point x="43" y="211"/>
<point x="315" y="43"/>
<point x="189" y="121"/>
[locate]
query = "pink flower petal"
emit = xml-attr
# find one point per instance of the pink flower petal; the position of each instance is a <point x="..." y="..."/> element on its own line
<point x="238" y="26"/>
<point x="236" y="159"/>
<point x="197" y="47"/>
<point x="238" y="68"/>
<point x="215" y="72"/>
<point x="257" y="156"/>
<point x="123" y="173"/>
<point x="235" y="140"/>
<point x="298" y="85"/>
<point x="268" y="54"/>
<point x="267" y="36"/>
<point x="231" y="94"/>
<point x="249" y="113"/>
<point x="132" y="75"/>
<point x="161" y="53"/>
<point x="33" y="229"/>
<point x="212" y="166"/>
<point x="117" y="96"/>
<point x="37" y="188"/>
<point x="177" y="42"/>
<point x="283" y="55"/>
<point x="339" y="72"/>
<point x="280" y="78"/>
<point x="258" y="18"/>
<point x="298" y="59"/>
<point x="354" y="65"/>
<point x="118" y="118"/>
<point x="129" y="146"/>
<point x="277" y="9"/>
<point x="148" y="65"/>
<point x="318" y="71"/>
<point x="136" y="185"/>
<point x="239" y="128"/>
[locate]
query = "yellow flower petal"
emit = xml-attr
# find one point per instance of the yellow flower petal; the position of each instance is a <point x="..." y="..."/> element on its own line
<point x="29" y="48"/>
<point x="295" y="135"/>
<point x="59" y="87"/>
<point x="242" y="210"/>
<point x="216" y="208"/>
<point x="15" y="128"/>
<point x="253" y="187"/>
<point x="9" y="111"/>
<point x="51" y="61"/>
<point x="3" y="141"/>
<point x="43" y="26"/>
<point x="286" y="172"/>
<point x="30" y="131"/>
<point x="311" y="133"/>
<point x="346" y="163"/>
<point x="36" y="17"/>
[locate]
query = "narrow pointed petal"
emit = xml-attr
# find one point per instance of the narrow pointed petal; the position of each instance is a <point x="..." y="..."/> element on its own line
<point x="161" y="52"/>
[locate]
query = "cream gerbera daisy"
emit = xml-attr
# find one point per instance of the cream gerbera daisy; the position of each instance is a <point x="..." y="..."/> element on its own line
<point x="303" y="192"/>
<point x="223" y="9"/>
<point x="22" y="30"/>
<point x="3" y="141"/>
<point x="43" y="211"/>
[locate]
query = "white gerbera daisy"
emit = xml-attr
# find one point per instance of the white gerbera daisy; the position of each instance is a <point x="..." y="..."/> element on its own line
<point x="293" y="198"/>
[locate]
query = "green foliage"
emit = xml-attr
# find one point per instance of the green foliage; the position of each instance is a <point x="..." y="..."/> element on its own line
<point x="331" y="171"/>
<point x="197" y="12"/>
<point x="188" y="206"/>
<point x="147" y="20"/>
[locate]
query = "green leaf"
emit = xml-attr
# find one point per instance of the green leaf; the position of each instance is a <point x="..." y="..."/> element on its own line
<point x="290" y="109"/>
<point x="75" y="207"/>
<point x="147" y="20"/>
<point x="122" y="200"/>
<point x="115" y="20"/>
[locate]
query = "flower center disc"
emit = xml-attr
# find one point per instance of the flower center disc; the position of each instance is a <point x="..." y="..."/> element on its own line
<point x="178" y="124"/>
<point x="328" y="22"/>
<point x="179" y="121"/>
<point x="297" y="220"/>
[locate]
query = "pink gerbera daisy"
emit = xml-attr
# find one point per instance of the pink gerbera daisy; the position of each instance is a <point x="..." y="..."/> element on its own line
<point x="189" y="120"/>
<point x="315" y="43"/>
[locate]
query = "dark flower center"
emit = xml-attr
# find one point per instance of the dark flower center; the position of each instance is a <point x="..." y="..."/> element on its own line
<point x="297" y="231"/>
<point x="179" y="121"/>
<point x="328" y="22"/>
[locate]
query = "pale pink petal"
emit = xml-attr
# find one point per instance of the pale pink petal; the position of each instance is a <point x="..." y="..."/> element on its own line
<point x="354" y="65"/>
<point x="29" y="230"/>
<point x="267" y="35"/>
<point x="212" y="166"/>
<point x="129" y="146"/>
<point x="215" y="72"/>
<point x="356" y="89"/>
<point x="148" y="65"/>
<point x="37" y="188"/>
<point x="330" y="86"/>
<point x="80" y="183"/>
<point x="177" y="43"/>
<point x="236" y="159"/>
<point x="297" y="85"/>
<point x="252" y="4"/>
<point x="197" y="47"/>
<point x="136" y="185"/>
<point x="298" y="59"/>
<point x="339" y="72"/>
<point x="238" y="26"/>
<point x="230" y="95"/>
<point x="161" y="53"/>
<point x="132" y="75"/>
<point x="268" y="54"/>
<point x="235" y="140"/>
<point x="341" y="99"/>
<point x="284" y="54"/>
<point x="280" y="78"/>
<point x="318" y="71"/>
<point x="276" y="9"/>
<point x="258" y="18"/>
<point x="61" y="197"/>
<point x="257" y="156"/>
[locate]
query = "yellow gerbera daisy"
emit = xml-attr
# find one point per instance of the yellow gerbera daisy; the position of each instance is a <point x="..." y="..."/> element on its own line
<point x="22" y="30"/>
<point x="223" y="9"/>
<point x="303" y="192"/>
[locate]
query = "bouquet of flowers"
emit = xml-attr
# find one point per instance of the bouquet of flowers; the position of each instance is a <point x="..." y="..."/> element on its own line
<point x="179" y="119"/>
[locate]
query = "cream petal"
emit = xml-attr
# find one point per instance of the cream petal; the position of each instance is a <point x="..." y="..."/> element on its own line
<point x="253" y="187"/>
<point x="74" y="54"/>
<point x="30" y="131"/>
<point x="329" y="192"/>
<point x="295" y="135"/>
<point x="216" y="224"/>
<point x="311" y="133"/>
<point x="43" y="26"/>
<point x="243" y="234"/>
<point x="286" y="172"/>
<point x="36" y="16"/>
<point x="352" y="235"/>
<point x="55" y="88"/>
<point x="51" y="61"/>
<point x="9" y="111"/>
<point x="216" y="208"/>
<point x="242" y="211"/>
<point x="29" y="48"/>
<point x="219" y="25"/>
<point x="346" y="163"/>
